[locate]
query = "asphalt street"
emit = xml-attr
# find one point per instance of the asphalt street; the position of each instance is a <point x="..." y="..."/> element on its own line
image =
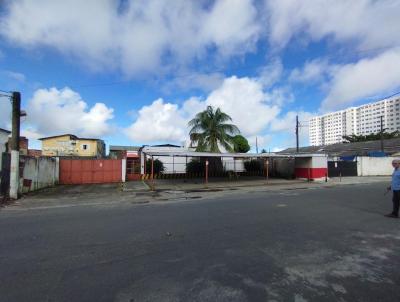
<point x="321" y="244"/>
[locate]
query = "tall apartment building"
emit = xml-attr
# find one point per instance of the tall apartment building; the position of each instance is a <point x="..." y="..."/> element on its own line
<point x="363" y="120"/>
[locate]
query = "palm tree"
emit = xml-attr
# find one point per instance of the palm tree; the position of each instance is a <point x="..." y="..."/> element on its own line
<point x="209" y="130"/>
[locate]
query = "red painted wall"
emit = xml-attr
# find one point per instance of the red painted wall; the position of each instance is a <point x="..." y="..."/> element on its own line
<point x="313" y="173"/>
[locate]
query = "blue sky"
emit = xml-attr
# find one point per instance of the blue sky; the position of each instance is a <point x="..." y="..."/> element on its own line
<point x="135" y="72"/>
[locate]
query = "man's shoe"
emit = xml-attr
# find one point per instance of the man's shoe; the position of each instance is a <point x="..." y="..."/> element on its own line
<point x="391" y="215"/>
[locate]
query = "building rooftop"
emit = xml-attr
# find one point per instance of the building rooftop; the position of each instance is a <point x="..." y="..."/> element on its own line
<point x="189" y="153"/>
<point x="124" y="148"/>
<point x="71" y="136"/>
<point x="167" y="145"/>
<point x="390" y="98"/>
<point x="391" y="146"/>
<point x="4" y="130"/>
<point x="54" y="136"/>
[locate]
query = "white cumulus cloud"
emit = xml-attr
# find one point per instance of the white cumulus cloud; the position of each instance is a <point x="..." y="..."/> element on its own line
<point x="367" y="23"/>
<point x="313" y="71"/>
<point x="158" y="121"/>
<point x="53" y="111"/>
<point x="133" y="36"/>
<point x="243" y="99"/>
<point x="246" y="102"/>
<point x="364" y="78"/>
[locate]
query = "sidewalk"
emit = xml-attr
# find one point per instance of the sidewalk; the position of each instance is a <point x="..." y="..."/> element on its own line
<point x="219" y="184"/>
<point x="135" y="186"/>
<point x="272" y="183"/>
<point x="359" y="180"/>
<point x="138" y="192"/>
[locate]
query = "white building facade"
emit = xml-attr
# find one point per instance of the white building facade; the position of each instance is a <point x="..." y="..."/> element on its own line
<point x="363" y="120"/>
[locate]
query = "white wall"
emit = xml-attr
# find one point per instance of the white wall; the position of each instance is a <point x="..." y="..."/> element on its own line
<point x="319" y="162"/>
<point x="42" y="171"/>
<point x="374" y="166"/>
<point x="174" y="164"/>
<point x="231" y="164"/>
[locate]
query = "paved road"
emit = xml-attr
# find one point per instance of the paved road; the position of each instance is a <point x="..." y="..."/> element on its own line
<point x="330" y="244"/>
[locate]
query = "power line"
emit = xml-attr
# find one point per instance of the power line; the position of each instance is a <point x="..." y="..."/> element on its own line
<point x="386" y="97"/>
<point x="8" y="95"/>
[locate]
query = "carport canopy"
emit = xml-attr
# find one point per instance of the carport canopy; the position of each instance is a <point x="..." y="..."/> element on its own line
<point x="234" y="155"/>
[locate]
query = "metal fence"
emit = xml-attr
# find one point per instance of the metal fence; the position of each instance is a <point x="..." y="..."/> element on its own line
<point x="197" y="167"/>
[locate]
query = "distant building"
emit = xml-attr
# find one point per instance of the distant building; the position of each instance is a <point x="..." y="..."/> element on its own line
<point x="131" y="154"/>
<point x="23" y="145"/>
<point x="118" y="152"/>
<point x="4" y="139"/>
<point x="363" y="120"/>
<point x="34" y="152"/>
<point x="71" y="145"/>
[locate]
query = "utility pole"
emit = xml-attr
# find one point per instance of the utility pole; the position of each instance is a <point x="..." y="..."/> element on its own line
<point x="382" y="149"/>
<point x="14" y="144"/>
<point x="297" y="134"/>
<point x="16" y="112"/>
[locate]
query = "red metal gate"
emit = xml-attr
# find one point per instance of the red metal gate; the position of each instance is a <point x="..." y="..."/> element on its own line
<point x="90" y="171"/>
<point x="133" y="168"/>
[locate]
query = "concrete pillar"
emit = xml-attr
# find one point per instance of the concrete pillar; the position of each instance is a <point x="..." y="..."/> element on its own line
<point x="57" y="171"/>
<point x="14" y="174"/>
<point x="123" y="169"/>
<point x="35" y="181"/>
<point x="206" y="172"/>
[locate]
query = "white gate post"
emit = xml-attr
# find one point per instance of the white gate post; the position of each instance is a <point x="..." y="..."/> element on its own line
<point x="14" y="174"/>
<point x="123" y="169"/>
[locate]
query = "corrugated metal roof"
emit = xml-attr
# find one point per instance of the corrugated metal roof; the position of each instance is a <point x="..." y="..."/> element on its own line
<point x="4" y="130"/>
<point x="236" y="155"/>
<point x="124" y="148"/>
<point x="71" y="136"/>
<point x="345" y="149"/>
<point x="167" y="145"/>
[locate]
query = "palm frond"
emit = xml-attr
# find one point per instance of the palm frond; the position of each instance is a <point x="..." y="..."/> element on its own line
<point x="209" y="130"/>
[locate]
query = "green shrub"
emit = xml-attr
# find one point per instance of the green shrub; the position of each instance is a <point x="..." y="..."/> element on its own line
<point x="240" y="144"/>
<point x="157" y="168"/>
<point x="253" y="165"/>
<point x="195" y="166"/>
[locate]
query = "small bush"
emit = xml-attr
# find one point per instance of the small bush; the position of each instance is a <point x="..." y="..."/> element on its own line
<point x="253" y="165"/>
<point x="195" y="166"/>
<point x="157" y="168"/>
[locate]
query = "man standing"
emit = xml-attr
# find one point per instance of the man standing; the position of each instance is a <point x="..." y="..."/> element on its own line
<point x="395" y="187"/>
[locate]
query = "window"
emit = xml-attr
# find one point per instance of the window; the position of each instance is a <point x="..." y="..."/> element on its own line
<point x="85" y="147"/>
